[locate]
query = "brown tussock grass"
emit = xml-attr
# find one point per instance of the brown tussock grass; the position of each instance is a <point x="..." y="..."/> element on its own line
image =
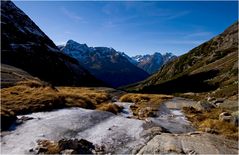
<point x="110" y="108"/>
<point x="95" y="95"/>
<point x="33" y="96"/>
<point x="204" y="120"/>
<point x="23" y="99"/>
<point x="145" y="104"/>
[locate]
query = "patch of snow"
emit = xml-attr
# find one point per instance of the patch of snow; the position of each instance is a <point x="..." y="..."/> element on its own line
<point x="52" y="49"/>
<point x="34" y="31"/>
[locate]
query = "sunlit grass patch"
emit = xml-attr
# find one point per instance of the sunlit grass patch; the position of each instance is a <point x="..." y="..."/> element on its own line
<point x="146" y="105"/>
<point x="110" y="107"/>
<point x="209" y="121"/>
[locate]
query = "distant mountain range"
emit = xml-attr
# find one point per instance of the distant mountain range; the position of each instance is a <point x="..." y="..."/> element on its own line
<point x="152" y="63"/>
<point x="212" y="66"/>
<point x="25" y="46"/>
<point x="112" y="67"/>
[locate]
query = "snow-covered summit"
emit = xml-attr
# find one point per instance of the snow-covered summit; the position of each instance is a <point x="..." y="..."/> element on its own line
<point x="152" y="63"/>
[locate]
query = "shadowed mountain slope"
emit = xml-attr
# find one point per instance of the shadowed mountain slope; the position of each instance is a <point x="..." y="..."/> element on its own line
<point x="25" y="46"/>
<point x="211" y="66"/>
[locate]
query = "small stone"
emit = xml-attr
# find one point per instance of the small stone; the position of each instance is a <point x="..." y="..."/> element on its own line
<point x="41" y="149"/>
<point x="68" y="151"/>
<point x="210" y="130"/>
<point x="211" y="99"/>
<point x="31" y="150"/>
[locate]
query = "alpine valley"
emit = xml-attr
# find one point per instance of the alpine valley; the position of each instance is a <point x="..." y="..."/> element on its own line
<point x="101" y="61"/>
<point x="75" y="99"/>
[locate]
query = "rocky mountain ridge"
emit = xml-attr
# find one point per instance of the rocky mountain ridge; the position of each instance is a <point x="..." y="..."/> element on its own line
<point x="108" y="65"/>
<point x="152" y="63"/>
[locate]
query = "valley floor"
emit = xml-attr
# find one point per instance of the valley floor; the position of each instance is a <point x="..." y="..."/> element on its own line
<point x="168" y="131"/>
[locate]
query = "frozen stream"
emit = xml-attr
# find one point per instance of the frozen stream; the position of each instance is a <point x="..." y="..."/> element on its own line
<point x="126" y="112"/>
<point x="171" y="117"/>
<point x="117" y="133"/>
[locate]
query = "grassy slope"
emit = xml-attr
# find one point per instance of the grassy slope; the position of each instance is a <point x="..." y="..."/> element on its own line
<point x="11" y="75"/>
<point x="205" y="68"/>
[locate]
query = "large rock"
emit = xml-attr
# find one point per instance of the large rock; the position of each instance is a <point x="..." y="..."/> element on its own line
<point x="195" y="143"/>
<point x="64" y="146"/>
<point x="81" y="146"/>
<point x="203" y="106"/>
<point x="225" y="117"/>
<point x="235" y="118"/>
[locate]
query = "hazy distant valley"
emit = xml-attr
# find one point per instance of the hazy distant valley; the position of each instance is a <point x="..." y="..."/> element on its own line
<point x="75" y="99"/>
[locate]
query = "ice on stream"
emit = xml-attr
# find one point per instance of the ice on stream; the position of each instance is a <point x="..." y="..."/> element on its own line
<point x="98" y="127"/>
<point x="126" y="111"/>
<point x="117" y="133"/>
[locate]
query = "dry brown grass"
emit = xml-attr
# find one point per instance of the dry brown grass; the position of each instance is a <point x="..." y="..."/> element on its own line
<point x="141" y="98"/>
<point x="96" y="96"/>
<point x="210" y="120"/>
<point x="51" y="147"/>
<point x="32" y="96"/>
<point x="145" y="104"/>
<point x="27" y="97"/>
<point x="110" y="107"/>
<point x="223" y="128"/>
<point x="23" y="99"/>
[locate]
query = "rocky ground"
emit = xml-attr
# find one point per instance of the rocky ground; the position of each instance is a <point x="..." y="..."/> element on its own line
<point x="190" y="143"/>
<point x="78" y="130"/>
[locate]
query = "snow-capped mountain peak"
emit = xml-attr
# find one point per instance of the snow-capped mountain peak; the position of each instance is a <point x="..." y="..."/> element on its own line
<point x="152" y="63"/>
<point x="113" y="67"/>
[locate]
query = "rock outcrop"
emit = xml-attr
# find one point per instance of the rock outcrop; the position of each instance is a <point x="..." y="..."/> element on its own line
<point x="191" y="143"/>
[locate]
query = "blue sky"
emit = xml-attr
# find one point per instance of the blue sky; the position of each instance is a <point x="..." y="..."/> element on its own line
<point x="133" y="27"/>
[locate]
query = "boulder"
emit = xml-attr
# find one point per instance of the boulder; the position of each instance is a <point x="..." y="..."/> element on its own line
<point x="79" y="146"/>
<point x="235" y="118"/>
<point x="146" y="112"/>
<point x="65" y="146"/>
<point x="203" y="106"/>
<point x="218" y="101"/>
<point x="23" y="119"/>
<point x="151" y="132"/>
<point x="209" y="99"/>
<point x="202" y="143"/>
<point x="225" y="117"/>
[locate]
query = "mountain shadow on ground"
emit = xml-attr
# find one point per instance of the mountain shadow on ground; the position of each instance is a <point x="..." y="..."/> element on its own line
<point x="187" y="83"/>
